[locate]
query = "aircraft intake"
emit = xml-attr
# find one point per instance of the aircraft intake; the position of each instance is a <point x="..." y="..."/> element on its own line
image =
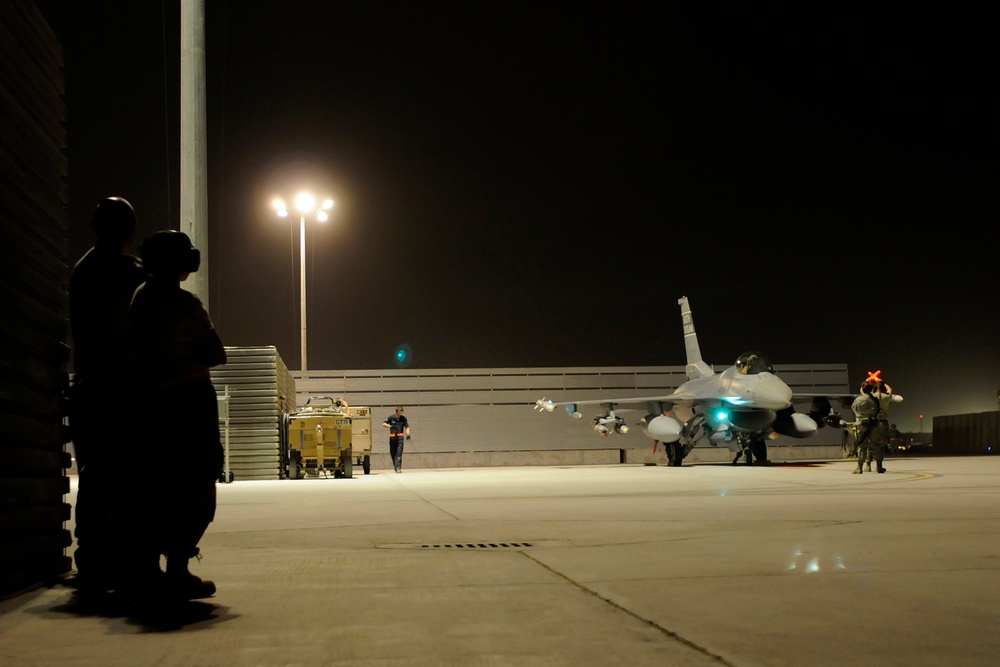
<point x="751" y="420"/>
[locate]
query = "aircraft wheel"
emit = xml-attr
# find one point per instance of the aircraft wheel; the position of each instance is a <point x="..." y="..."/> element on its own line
<point x="366" y="464"/>
<point x="677" y="451"/>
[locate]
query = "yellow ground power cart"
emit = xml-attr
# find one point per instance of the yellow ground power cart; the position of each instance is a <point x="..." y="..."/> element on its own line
<point x="320" y="439"/>
<point x="361" y="437"/>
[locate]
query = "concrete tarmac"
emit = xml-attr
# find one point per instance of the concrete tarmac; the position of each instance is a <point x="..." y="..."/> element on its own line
<point x="798" y="563"/>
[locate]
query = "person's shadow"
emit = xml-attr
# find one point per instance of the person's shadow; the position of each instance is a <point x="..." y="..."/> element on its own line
<point x="147" y="616"/>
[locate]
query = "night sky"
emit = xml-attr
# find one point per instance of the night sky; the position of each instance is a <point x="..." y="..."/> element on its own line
<point x="536" y="184"/>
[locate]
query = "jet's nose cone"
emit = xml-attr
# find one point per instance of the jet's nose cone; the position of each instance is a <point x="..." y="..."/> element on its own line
<point x="772" y="393"/>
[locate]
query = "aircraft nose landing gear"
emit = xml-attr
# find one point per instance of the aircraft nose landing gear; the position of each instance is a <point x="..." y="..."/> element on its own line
<point x="750" y="449"/>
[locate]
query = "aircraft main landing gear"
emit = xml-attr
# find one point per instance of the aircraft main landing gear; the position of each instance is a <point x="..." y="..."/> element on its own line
<point x="675" y="453"/>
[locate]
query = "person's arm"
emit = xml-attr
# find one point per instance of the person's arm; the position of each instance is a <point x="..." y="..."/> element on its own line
<point x="208" y="347"/>
<point x="211" y="350"/>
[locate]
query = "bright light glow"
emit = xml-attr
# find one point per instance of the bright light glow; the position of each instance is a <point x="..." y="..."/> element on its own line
<point x="305" y="202"/>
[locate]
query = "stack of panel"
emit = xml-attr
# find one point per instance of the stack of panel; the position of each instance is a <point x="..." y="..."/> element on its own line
<point x="261" y="391"/>
<point x="34" y="261"/>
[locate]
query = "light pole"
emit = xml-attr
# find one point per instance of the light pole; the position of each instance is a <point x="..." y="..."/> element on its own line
<point x="305" y="204"/>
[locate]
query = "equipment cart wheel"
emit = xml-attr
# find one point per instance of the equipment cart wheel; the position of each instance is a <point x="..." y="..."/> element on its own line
<point x="295" y="465"/>
<point x="366" y="464"/>
<point x="347" y="465"/>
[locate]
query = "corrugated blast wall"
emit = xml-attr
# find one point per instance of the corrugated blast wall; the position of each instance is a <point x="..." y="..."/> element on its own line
<point x="33" y="294"/>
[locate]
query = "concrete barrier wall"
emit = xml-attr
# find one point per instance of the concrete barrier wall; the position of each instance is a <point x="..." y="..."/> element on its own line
<point x="973" y="433"/>
<point x="414" y="458"/>
<point x="486" y="416"/>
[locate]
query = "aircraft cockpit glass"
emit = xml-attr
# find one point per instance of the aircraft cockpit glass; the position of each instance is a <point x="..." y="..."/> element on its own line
<point x="751" y="363"/>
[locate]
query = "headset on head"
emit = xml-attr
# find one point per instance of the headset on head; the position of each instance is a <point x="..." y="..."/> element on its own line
<point x="169" y="252"/>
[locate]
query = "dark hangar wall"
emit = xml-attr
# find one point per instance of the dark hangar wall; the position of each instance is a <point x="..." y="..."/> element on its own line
<point x="33" y="280"/>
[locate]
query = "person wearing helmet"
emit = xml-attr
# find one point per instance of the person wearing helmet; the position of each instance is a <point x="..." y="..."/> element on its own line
<point x="100" y="289"/>
<point x="175" y="345"/>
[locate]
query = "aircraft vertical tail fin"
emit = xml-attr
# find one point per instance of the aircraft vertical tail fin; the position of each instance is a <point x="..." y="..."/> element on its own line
<point x="696" y="366"/>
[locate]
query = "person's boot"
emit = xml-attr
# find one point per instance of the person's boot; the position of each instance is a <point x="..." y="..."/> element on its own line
<point x="858" y="470"/>
<point x="183" y="585"/>
<point x="880" y="468"/>
<point x="868" y="466"/>
<point x="94" y="574"/>
<point x="140" y="581"/>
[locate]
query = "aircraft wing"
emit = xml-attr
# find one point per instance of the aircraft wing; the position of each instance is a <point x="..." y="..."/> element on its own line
<point x="549" y="406"/>
<point x="821" y="406"/>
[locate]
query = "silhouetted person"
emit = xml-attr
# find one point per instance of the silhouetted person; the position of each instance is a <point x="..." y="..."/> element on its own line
<point x="175" y="345"/>
<point x="895" y="438"/>
<point x="100" y="289"/>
